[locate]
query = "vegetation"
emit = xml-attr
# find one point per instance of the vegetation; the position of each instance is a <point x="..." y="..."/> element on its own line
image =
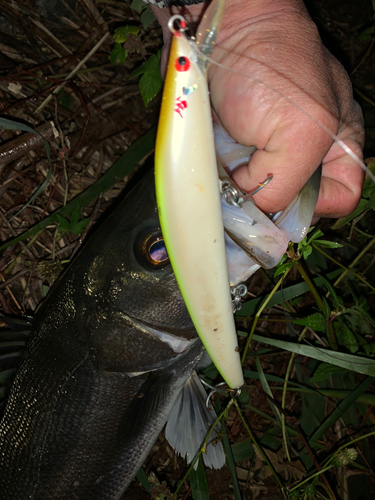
<point x="304" y="426"/>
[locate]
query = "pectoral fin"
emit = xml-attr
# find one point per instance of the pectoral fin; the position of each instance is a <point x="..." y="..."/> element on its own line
<point x="189" y="423"/>
<point x="147" y="414"/>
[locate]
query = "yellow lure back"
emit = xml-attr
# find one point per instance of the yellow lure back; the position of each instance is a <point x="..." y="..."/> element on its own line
<point x="188" y="198"/>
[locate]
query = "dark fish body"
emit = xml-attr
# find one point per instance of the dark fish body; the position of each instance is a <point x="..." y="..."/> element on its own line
<point x="109" y="353"/>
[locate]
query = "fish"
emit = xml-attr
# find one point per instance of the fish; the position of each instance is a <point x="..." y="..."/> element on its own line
<point x="111" y="358"/>
<point x="110" y="353"/>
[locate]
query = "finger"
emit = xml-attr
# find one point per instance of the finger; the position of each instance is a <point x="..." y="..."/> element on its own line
<point x="341" y="185"/>
<point x="291" y="157"/>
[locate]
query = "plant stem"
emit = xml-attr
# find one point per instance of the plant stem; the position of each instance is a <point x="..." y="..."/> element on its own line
<point x="258" y="447"/>
<point x="203" y="446"/>
<point x="310" y="477"/>
<point x="319" y="301"/>
<point x="359" y="256"/>
<point x="259" y="312"/>
<point x="347" y="269"/>
<point x="283" y="398"/>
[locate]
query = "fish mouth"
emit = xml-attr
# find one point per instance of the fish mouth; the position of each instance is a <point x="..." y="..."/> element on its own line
<point x="177" y="344"/>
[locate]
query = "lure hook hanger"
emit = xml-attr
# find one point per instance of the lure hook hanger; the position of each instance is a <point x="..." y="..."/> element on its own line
<point x="234" y="196"/>
<point x="181" y="23"/>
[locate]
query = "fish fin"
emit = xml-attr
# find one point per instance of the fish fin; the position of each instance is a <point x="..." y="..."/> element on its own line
<point x="188" y="425"/>
<point x="148" y="412"/>
<point x="12" y="343"/>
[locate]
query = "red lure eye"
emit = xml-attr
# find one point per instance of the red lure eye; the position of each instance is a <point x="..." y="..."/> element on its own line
<point x="182" y="64"/>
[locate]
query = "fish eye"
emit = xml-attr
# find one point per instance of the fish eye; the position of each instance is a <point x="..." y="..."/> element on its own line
<point x="150" y="250"/>
<point x="182" y="63"/>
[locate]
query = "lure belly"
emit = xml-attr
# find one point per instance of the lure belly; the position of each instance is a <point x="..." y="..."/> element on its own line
<point x="188" y="198"/>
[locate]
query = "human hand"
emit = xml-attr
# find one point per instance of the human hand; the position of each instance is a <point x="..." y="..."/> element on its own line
<point x="265" y="44"/>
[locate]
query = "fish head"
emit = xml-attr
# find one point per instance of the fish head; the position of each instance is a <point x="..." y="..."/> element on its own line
<point x="126" y="291"/>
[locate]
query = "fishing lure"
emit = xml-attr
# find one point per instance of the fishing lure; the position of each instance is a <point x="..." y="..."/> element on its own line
<point x="188" y="194"/>
<point x="191" y="213"/>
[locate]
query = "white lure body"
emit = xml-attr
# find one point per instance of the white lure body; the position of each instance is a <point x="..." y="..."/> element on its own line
<point x="189" y="204"/>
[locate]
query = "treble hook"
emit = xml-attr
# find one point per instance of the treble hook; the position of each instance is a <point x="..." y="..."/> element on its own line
<point x="233" y="195"/>
<point x="217" y="389"/>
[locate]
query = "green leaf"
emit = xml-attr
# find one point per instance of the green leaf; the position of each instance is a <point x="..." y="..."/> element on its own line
<point x="366" y="34"/>
<point x="75" y="215"/>
<point x="137" y="5"/>
<point x="328" y="244"/>
<point x="345" y="334"/>
<point x="63" y="223"/>
<point x="337" y="300"/>
<point x="122" y="33"/>
<point x="147" y="17"/>
<point x="64" y="99"/>
<point x="317" y="234"/>
<point x="118" y="54"/>
<point x="142" y="478"/>
<point x="198" y="483"/>
<point x="362" y="207"/>
<point x="243" y="450"/>
<point x="315" y="321"/>
<point x="283" y="259"/>
<point x="359" y="364"/>
<point x="326" y="309"/>
<point x="79" y="226"/>
<point x="324" y="371"/>
<point x="281" y="269"/>
<point x="150" y="85"/>
<point x="306" y="251"/>
<point x="152" y="65"/>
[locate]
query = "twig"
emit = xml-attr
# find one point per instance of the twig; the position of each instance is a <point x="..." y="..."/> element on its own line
<point x="348" y="270"/>
<point x="72" y="73"/>
<point x="359" y="256"/>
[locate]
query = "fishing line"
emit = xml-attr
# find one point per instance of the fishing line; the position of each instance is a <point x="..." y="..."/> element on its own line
<point x="333" y="136"/>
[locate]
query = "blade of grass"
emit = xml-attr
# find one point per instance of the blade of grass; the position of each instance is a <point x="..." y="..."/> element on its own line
<point x="359" y="364"/>
<point x="259" y="448"/>
<point x="347" y="269"/>
<point x="340" y="409"/>
<point x="283" y="398"/>
<point x="203" y="447"/>
<point x="142" y="478"/>
<point x="229" y="454"/>
<point x="259" y="312"/>
<point x="267" y="390"/>
<point x="251" y="307"/>
<point x="198" y="483"/>
<point x="319" y="301"/>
